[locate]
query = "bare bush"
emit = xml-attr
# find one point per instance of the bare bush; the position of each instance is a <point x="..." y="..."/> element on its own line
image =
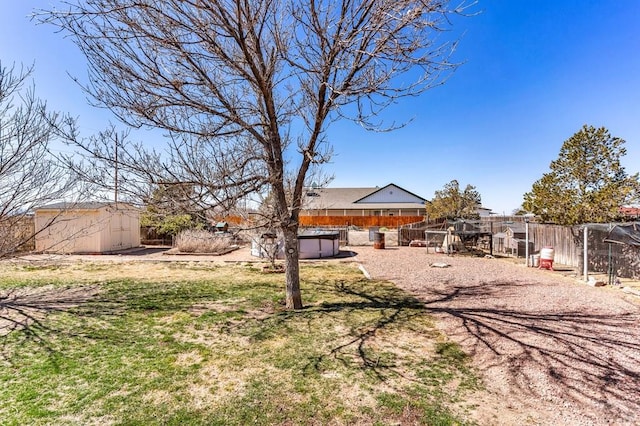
<point x="202" y="241"/>
<point x="31" y="176"/>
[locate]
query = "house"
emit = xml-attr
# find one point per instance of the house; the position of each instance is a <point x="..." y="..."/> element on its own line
<point x="630" y="213"/>
<point x="351" y="206"/>
<point x="92" y="227"/>
<point x="484" y="212"/>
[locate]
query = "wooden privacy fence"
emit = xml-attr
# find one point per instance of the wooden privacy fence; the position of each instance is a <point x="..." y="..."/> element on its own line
<point x="563" y="239"/>
<point x="150" y="236"/>
<point x="17" y="234"/>
<point x="567" y="242"/>
<point x="621" y="260"/>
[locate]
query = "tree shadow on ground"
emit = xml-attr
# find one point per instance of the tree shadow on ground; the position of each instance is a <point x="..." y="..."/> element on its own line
<point x="582" y="353"/>
<point x="579" y="354"/>
<point x="25" y="310"/>
<point x="394" y="310"/>
<point x="366" y="317"/>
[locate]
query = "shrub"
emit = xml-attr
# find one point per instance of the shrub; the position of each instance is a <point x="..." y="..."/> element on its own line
<point x="169" y="224"/>
<point x="202" y="241"/>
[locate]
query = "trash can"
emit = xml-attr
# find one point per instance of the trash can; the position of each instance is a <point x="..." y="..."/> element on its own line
<point x="378" y="240"/>
<point x="535" y="260"/>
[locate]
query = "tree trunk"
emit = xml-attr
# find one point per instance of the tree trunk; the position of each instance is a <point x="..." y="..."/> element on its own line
<point x="292" y="268"/>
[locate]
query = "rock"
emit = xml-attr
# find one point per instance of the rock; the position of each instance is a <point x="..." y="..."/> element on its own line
<point x="631" y="291"/>
<point x="596" y="283"/>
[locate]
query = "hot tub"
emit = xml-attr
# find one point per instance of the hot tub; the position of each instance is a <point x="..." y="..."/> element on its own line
<point x="312" y="244"/>
<point x="315" y="244"/>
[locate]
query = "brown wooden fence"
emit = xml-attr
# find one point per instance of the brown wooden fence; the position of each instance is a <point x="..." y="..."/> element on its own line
<point x="568" y="244"/>
<point x="359" y="221"/>
<point x="17" y="234"/>
<point x="563" y="239"/>
<point x="149" y="236"/>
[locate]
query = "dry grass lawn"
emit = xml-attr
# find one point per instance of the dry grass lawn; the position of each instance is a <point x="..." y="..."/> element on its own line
<point x="203" y="343"/>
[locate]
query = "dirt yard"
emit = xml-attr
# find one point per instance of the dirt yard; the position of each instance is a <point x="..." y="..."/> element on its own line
<point x="551" y="349"/>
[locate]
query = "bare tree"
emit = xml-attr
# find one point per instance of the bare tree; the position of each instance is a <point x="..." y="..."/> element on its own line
<point x="30" y="176"/>
<point x="247" y="89"/>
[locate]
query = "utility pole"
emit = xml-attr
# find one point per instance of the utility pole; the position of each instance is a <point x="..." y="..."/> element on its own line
<point x="115" y="176"/>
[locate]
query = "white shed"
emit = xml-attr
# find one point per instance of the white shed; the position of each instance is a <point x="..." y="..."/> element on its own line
<point x="86" y="227"/>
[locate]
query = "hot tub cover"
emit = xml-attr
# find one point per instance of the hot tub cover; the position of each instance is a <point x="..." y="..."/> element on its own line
<point x="319" y="233"/>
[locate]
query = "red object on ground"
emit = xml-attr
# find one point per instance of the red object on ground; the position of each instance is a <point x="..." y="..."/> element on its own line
<point x="546" y="264"/>
<point x="546" y="258"/>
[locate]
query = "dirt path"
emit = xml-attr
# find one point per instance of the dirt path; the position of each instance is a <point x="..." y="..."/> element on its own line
<point x="551" y="350"/>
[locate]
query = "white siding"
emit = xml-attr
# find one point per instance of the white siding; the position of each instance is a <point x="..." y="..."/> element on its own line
<point x="68" y="232"/>
<point x="124" y="230"/>
<point x="86" y="230"/>
<point x="392" y="194"/>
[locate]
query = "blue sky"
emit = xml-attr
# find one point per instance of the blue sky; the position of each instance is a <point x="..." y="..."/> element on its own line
<point x="534" y="72"/>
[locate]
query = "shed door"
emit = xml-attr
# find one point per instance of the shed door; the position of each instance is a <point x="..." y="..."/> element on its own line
<point x="117" y="232"/>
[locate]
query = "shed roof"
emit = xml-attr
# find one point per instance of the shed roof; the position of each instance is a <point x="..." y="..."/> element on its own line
<point x="87" y="205"/>
<point x="517" y="227"/>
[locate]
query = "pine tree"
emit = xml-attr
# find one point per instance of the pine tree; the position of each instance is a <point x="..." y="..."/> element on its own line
<point x="451" y="203"/>
<point x="586" y="183"/>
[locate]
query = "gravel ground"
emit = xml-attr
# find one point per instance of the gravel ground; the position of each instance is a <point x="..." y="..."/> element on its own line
<point x="551" y="350"/>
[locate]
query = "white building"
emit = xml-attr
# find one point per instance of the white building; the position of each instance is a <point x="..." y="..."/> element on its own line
<point x="86" y="227"/>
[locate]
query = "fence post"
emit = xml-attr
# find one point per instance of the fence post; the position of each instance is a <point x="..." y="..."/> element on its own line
<point x="586" y="256"/>
<point x="610" y="260"/>
<point x="526" y="242"/>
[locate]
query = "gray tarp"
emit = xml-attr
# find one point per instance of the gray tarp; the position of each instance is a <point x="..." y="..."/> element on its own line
<point x="625" y="234"/>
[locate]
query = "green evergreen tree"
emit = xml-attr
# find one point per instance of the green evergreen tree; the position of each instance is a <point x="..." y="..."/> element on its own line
<point x="451" y="203"/>
<point x="172" y="208"/>
<point x="586" y="183"/>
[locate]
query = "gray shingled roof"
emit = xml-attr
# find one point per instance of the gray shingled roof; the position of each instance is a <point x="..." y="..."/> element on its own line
<point x="347" y="198"/>
<point x="517" y="227"/>
<point x="334" y="198"/>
